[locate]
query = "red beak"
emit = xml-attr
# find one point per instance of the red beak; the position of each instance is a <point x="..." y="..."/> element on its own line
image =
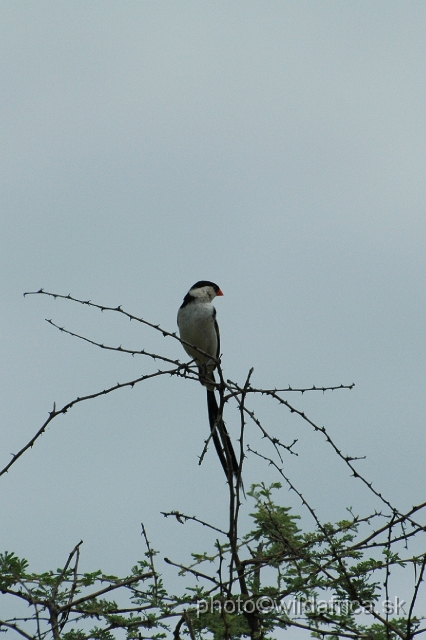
<point x="220" y="293"/>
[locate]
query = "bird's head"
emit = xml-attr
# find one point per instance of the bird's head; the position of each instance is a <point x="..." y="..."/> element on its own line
<point x="205" y="289"/>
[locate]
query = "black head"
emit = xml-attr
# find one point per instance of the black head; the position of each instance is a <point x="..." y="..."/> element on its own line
<point x="203" y="290"/>
<point x="205" y="283"/>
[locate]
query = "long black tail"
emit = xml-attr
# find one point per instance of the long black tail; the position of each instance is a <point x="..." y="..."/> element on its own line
<point x="221" y="439"/>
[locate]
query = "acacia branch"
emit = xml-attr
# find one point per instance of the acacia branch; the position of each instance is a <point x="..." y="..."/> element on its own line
<point x="324" y="557"/>
<point x="415" y="594"/>
<point x="112" y="587"/>
<point x="182" y="518"/>
<point x="194" y="572"/>
<point x="14" y="626"/>
<point x="120" y="349"/>
<point x="180" y="370"/>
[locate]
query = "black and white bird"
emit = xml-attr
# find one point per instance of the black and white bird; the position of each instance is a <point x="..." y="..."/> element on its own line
<point x="198" y="328"/>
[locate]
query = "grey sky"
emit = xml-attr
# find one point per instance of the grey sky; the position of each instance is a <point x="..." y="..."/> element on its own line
<point x="275" y="148"/>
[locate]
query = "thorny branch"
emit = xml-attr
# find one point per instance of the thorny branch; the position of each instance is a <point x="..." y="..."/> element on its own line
<point x="330" y="558"/>
<point x="180" y="370"/>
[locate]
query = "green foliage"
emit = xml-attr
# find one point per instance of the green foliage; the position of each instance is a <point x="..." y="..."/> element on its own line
<point x="280" y="576"/>
<point x="12" y="570"/>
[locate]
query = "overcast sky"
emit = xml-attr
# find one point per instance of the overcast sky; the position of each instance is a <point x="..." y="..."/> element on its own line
<point x="276" y="148"/>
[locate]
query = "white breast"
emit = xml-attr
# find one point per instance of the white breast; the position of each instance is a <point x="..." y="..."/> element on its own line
<point x="196" y="322"/>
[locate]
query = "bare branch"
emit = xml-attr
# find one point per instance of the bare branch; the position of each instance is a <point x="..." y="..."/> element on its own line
<point x="120" y="349"/>
<point x="54" y="413"/>
<point x="415" y="595"/>
<point x="182" y="518"/>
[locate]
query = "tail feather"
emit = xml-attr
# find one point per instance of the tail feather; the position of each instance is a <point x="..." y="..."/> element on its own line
<point x="221" y="439"/>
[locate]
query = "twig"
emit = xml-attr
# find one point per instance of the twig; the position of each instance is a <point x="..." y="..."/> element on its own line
<point x="181" y="517"/>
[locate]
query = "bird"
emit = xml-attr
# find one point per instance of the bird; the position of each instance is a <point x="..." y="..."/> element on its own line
<point x="198" y="328"/>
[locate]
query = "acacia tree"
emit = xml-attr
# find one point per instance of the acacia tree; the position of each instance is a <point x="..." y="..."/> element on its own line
<point x="274" y="576"/>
